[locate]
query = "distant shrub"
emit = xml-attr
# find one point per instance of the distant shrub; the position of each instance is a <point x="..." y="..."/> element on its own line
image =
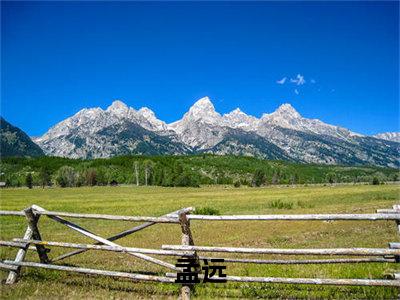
<point x="44" y="177"/>
<point x="29" y="180"/>
<point x="375" y="181"/>
<point x="395" y="177"/>
<point x="278" y="204"/>
<point x="207" y="210"/>
<point x="186" y="180"/>
<point x="244" y="182"/>
<point x="303" y="204"/>
<point x="259" y="178"/>
<point x="90" y="177"/>
<point x="66" y="177"/>
<point x="236" y="184"/>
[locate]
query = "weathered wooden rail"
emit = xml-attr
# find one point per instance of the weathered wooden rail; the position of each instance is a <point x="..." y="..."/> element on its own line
<point x="32" y="240"/>
<point x="327" y="251"/>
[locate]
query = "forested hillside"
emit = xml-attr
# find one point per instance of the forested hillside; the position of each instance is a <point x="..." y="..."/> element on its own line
<point x="180" y="171"/>
<point x="15" y="142"/>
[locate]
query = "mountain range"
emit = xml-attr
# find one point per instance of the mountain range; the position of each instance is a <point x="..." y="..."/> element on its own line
<point x="283" y="134"/>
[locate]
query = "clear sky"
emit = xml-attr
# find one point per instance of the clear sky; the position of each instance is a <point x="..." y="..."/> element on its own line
<point x="340" y="59"/>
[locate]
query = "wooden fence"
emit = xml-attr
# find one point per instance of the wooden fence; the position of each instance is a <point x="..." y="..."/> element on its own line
<point x="32" y="240"/>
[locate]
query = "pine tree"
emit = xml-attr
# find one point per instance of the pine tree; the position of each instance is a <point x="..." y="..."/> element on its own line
<point x="29" y="180"/>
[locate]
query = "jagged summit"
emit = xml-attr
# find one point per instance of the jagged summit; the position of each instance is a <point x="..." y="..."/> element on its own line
<point x="204" y="102"/>
<point x="236" y="111"/>
<point x="285" y="111"/>
<point x="150" y="120"/>
<point x="118" y="107"/>
<point x="202" y="108"/>
<point x="194" y="127"/>
<point x="147" y="112"/>
<point x="288" y="110"/>
<point x="117" y="104"/>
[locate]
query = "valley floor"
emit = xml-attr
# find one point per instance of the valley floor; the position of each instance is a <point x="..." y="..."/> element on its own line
<point x="156" y="201"/>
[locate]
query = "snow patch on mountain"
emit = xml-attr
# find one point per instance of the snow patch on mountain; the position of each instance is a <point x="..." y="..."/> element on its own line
<point x="389" y="136"/>
<point x="238" y="119"/>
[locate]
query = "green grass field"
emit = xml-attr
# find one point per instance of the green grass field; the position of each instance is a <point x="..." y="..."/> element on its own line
<point x="155" y="201"/>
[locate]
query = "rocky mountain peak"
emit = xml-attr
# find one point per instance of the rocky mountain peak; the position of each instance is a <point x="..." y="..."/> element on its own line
<point x="147" y="113"/>
<point x="235" y="112"/>
<point x="285" y="115"/>
<point x="150" y="117"/>
<point x="287" y="110"/>
<point x="202" y="105"/>
<point x="204" y="110"/>
<point x="196" y="124"/>
<point x="118" y="107"/>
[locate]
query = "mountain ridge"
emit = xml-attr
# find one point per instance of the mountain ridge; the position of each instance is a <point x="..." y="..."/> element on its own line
<point x="15" y="142"/>
<point x="283" y="134"/>
<point x="389" y="136"/>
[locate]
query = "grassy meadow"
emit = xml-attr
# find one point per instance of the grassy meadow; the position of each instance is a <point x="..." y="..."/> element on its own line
<point x="156" y="201"/>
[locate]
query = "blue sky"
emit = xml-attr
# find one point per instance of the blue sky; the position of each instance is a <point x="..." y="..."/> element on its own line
<point x="58" y="57"/>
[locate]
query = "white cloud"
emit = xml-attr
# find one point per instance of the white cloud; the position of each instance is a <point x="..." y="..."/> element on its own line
<point x="313" y="81"/>
<point x="296" y="91"/>
<point x="299" y="80"/>
<point x="282" y="81"/>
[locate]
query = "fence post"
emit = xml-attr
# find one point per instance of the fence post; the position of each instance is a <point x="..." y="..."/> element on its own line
<point x="32" y="232"/>
<point x="33" y="224"/>
<point x="187" y="240"/>
<point x="396" y="207"/>
<point x="13" y="275"/>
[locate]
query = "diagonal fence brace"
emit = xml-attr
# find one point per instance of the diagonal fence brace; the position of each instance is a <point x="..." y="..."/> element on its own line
<point x="121" y="234"/>
<point x="107" y="242"/>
